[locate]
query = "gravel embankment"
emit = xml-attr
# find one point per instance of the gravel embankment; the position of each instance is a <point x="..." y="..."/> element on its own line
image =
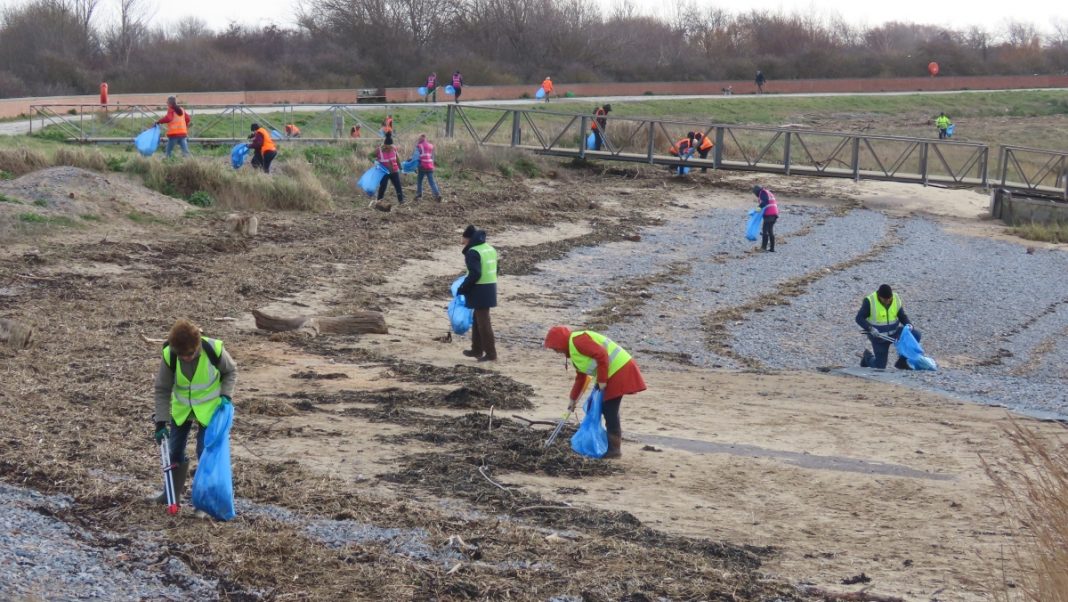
<point x="994" y="316"/>
<point x="43" y="558"/>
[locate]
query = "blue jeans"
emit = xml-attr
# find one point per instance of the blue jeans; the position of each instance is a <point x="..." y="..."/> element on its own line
<point x="882" y="350"/>
<point x="429" y="175"/>
<point x="180" y="435"/>
<point x="182" y="142"/>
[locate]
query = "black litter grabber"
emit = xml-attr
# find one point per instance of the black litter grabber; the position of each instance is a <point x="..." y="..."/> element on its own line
<point x="168" y="479"/>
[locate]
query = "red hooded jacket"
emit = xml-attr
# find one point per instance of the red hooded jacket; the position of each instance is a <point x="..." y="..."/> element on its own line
<point x="627" y="381"/>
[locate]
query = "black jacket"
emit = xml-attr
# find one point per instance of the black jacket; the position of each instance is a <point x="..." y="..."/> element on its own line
<point x="478" y="296"/>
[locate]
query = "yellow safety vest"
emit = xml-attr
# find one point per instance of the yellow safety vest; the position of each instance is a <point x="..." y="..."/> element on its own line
<point x="201" y="395"/>
<point x="488" y="257"/>
<point x="617" y="356"/>
<point x="880" y="315"/>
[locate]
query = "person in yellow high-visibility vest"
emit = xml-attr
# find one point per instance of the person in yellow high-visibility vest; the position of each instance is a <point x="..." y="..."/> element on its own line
<point x="942" y="122"/>
<point x="196" y="375"/>
<point x="882" y="316"/>
<point x="480" y="292"/>
<point x="596" y="356"/>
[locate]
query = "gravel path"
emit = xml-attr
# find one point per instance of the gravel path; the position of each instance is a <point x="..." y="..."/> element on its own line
<point x="994" y="316"/>
<point x="42" y="558"/>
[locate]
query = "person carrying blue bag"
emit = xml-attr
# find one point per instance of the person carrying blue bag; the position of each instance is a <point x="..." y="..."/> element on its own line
<point x="596" y="356"/>
<point x="479" y="289"/>
<point x="770" y="208"/>
<point x="882" y="316"/>
<point x="196" y="376"/>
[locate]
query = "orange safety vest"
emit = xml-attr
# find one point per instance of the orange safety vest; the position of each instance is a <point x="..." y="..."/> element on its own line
<point x="680" y="147"/>
<point x="292" y="130"/>
<point x="268" y="144"/>
<point x="598" y="113"/>
<point x="176" y="126"/>
<point x="547" y="85"/>
<point x="706" y="143"/>
<point x="388" y="126"/>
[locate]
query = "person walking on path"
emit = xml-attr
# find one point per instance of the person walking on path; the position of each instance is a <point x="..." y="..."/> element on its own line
<point x="704" y="144"/>
<point x="771" y="215"/>
<point x="480" y="292"/>
<point x="600" y="125"/>
<point x="387" y="158"/>
<point x="760" y="81"/>
<point x="595" y="355"/>
<point x="882" y="316"/>
<point x="195" y="377"/>
<point x="263" y="147"/>
<point x="547" y="85"/>
<point x="457" y="85"/>
<point x="942" y="122"/>
<point x="426" y="168"/>
<point x="178" y="122"/>
<point x="387" y="125"/>
<point x="432" y="87"/>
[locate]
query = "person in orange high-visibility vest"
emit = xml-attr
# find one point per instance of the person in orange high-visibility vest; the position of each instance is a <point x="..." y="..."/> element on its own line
<point x="178" y="122"/>
<point x="547" y="85"/>
<point x="292" y="131"/>
<point x="596" y="356"/>
<point x="703" y="144"/>
<point x="684" y="149"/>
<point x="264" y="148"/>
<point x="599" y="125"/>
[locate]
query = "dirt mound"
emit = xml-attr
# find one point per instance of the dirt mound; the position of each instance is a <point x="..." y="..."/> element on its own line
<point x="72" y="192"/>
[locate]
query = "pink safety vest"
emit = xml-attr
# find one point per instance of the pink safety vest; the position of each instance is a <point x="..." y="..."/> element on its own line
<point x="773" y="205"/>
<point x="431" y="81"/>
<point x="389" y="160"/>
<point x="426" y="156"/>
<point x="457" y="81"/>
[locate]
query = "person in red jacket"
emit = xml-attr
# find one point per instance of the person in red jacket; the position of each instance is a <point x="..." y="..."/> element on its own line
<point x="178" y="122"/>
<point x="594" y="354"/>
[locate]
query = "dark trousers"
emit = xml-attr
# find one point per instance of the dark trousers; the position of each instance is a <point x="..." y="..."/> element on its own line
<point x="395" y="178"/>
<point x="941" y="133"/>
<point x="597" y="141"/>
<point x="180" y="436"/>
<point x="882" y="352"/>
<point x="704" y="155"/>
<point x="610" y="411"/>
<point x="482" y="340"/>
<point x="767" y="232"/>
<point x="457" y="89"/>
<point x="263" y="160"/>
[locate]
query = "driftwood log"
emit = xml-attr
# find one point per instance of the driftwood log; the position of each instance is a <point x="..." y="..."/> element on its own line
<point x="15" y="334"/>
<point x="364" y="322"/>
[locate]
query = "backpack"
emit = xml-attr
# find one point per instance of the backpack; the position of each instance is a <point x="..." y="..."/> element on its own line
<point x="205" y="346"/>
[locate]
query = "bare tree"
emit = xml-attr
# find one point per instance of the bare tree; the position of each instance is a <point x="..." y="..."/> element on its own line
<point x="131" y="28"/>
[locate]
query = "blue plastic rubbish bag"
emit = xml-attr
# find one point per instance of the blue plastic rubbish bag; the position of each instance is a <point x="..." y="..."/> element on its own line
<point x="591" y="439"/>
<point x="411" y="165"/>
<point x="147" y="141"/>
<point x="912" y="351"/>
<point x="213" y="483"/>
<point x="591" y="141"/>
<point x="276" y="134"/>
<point x="949" y="130"/>
<point x="752" y="230"/>
<point x="540" y="93"/>
<point x="371" y="178"/>
<point x="450" y="90"/>
<point x="238" y="154"/>
<point x="461" y="317"/>
<point x="422" y="91"/>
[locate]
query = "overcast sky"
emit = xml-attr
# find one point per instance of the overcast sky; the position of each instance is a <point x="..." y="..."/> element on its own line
<point x="955" y="14"/>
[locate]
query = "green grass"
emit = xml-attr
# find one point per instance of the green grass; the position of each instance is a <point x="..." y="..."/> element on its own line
<point x="6" y="175"/>
<point x="7" y="199"/>
<point x="1055" y="232"/>
<point x="201" y="199"/>
<point x="138" y="217"/>
<point x="36" y="218"/>
<point x="40" y="203"/>
<point x="89" y="217"/>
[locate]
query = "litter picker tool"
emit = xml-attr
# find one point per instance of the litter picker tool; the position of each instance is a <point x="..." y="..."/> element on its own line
<point x="559" y="427"/>
<point x="168" y="479"/>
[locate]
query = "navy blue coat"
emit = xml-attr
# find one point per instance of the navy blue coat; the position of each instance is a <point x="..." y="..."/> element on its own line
<point x="478" y="296"/>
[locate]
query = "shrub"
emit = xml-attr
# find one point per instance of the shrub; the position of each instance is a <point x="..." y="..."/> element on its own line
<point x="85" y="159"/>
<point x="201" y="199"/>
<point x="6" y="175"/>
<point x="1055" y="232"/>
<point x="21" y="161"/>
<point x="1035" y="487"/>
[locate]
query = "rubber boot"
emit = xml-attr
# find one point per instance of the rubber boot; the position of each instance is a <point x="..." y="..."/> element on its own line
<point x="178" y="475"/>
<point x="614" y="444"/>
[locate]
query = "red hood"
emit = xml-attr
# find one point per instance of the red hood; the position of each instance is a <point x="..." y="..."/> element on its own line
<point x="558" y="339"/>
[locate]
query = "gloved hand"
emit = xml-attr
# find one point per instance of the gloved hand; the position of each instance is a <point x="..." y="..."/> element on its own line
<point x="161" y="431"/>
<point x="226" y="400"/>
<point x="873" y="331"/>
<point x="571" y="406"/>
<point x="602" y="386"/>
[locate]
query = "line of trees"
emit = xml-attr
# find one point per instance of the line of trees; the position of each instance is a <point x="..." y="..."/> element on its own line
<point x="51" y="47"/>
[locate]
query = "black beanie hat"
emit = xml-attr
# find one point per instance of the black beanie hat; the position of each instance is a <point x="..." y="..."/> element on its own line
<point x="469" y="231"/>
<point x="885" y="291"/>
